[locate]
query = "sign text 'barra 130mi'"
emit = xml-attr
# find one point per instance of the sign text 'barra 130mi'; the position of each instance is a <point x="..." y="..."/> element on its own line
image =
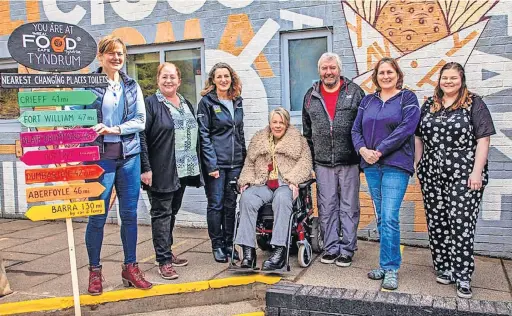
<point x="52" y="46"/>
<point x="68" y="210"/>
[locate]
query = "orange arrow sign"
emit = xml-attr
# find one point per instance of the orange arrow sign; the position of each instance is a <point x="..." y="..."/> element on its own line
<point x="68" y="210"/>
<point x="64" y="192"/>
<point x="70" y="173"/>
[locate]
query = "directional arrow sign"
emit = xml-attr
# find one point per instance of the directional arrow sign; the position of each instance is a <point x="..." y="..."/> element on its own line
<point x="59" y="137"/>
<point x="46" y="157"/>
<point x="57" y="98"/>
<point x="70" y="173"/>
<point x="59" y="118"/>
<point x="68" y="210"/>
<point x="64" y="192"/>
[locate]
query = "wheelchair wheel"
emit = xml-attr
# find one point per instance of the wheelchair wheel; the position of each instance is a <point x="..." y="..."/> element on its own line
<point x="263" y="242"/>
<point x="317" y="242"/>
<point x="305" y="255"/>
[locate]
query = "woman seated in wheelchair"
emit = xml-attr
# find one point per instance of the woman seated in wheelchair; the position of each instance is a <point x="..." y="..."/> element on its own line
<point x="278" y="160"/>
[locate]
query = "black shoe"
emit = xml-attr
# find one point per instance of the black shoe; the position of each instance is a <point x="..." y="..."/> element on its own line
<point x="445" y="278"/>
<point x="328" y="258"/>
<point x="228" y="252"/>
<point x="249" y="260"/>
<point x="464" y="289"/>
<point x="277" y="259"/>
<point x="344" y="261"/>
<point x="219" y="255"/>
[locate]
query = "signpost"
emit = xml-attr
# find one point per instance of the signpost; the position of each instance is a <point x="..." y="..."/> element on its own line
<point x="51" y="156"/>
<point x="55" y="98"/>
<point x="59" y="118"/>
<point x="64" y="192"/>
<point x="10" y="81"/>
<point x="58" y="137"/>
<point x="56" y="46"/>
<point x="71" y="173"/>
<point x="68" y="210"/>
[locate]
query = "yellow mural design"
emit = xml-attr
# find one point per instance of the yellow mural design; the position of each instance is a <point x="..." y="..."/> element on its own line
<point x="192" y="29"/>
<point x="129" y="35"/>
<point x="238" y="28"/>
<point x="7" y="25"/>
<point x="164" y="33"/>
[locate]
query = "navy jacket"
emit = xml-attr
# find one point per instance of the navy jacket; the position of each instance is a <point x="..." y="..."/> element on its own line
<point x="389" y="128"/>
<point x="222" y="138"/>
<point x="131" y="142"/>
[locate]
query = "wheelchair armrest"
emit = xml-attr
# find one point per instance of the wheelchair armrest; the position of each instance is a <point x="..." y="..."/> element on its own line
<point x="306" y="184"/>
<point x="233" y="184"/>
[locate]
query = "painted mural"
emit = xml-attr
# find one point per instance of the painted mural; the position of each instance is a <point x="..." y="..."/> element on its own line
<point x="423" y="35"/>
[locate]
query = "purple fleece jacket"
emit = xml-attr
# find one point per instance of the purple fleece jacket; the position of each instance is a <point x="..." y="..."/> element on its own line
<point x="389" y="128"/>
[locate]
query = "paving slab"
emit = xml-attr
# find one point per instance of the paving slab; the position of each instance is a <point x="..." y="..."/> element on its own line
<point x="331" y="275"/>
<point x="417" y="256"/>
<point x="20" y="256"/>
<point x="44" y="245"/>
<point x="61" y="286"/>
<point x="112" y="236"/>
<point x="364" y="257"/>
<point x="6" y="220"/>
<point x="24" y="280"/>
<point x="190" y="232"/>
<point x="419" y="279"/>
<point x="58" y="262"/>
<point x="205" y="247"/>
<point x="488" y="274"/>
<point x="40" y="231"/>
<point x="6" y="242"/>
<point x="15" y="225"/>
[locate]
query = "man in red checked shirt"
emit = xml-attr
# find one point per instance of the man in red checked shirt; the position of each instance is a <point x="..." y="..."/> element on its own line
<point x="330" y="108"/>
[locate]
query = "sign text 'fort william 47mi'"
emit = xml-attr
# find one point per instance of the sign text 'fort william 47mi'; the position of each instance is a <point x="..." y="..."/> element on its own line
<point x="59" y="118"/>
<point x="56" y="98"/>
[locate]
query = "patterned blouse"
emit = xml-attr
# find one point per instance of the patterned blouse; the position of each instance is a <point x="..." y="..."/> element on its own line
<point x="185" y="130"/>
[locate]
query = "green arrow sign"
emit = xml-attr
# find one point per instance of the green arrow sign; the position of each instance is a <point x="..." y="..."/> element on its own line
<point x="59" y="118"/>
<point x="57" y="98"/>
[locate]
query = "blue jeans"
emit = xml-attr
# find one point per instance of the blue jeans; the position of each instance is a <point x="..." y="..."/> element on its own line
<point x="220" y="212"/>
<point x="387" y="187"/>
<point x="124" y="174"/>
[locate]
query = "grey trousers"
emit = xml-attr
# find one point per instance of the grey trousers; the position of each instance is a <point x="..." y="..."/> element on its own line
<point x="251" y="201"/>
<point x="338" y="200"/>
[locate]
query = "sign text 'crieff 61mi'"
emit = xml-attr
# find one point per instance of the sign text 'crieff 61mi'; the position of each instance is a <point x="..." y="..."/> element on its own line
<point x="52" y="156"/>
<point x="55" y="98"/>
<point x="59" y="118"/>
<point x="67" y="210"/>
<point x="64" y="192"/>
<point x="58" y="137"/>
<point x="69" y="173"/>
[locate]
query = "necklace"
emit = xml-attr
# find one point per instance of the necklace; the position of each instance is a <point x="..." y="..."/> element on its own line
<point x="114" y="86"/>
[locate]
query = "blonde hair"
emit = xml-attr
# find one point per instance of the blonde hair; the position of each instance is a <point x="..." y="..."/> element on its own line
<point x="235" y="90"/>
<point x="162" y="66"/>
<point x="108" y="43"/>
<point x="282" y="112"/>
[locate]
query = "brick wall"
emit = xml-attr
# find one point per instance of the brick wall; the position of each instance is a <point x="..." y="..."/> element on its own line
<point x="247" y="34"/>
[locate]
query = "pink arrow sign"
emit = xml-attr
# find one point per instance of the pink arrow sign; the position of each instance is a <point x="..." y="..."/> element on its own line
<point x="46" y="157"/>
<point x="58" y="137"/>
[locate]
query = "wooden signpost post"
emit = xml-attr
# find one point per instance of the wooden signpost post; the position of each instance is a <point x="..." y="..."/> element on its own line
<point x="58" y="47"/>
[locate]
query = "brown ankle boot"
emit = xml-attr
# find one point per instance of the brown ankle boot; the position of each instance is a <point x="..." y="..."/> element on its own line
<point x="95" y="281"/>
<point x="132" y="276"/>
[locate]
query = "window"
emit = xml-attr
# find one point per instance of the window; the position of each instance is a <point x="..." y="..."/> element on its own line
<point x="9" y="97"/>
<point x="299" y="57"/>
<point x="142" y="64"/>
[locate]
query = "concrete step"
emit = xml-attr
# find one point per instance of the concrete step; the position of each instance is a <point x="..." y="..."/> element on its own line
<point x="253" y="307"/>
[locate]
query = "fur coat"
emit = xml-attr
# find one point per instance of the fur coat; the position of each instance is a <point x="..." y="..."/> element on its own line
<point x="293" y="158"/>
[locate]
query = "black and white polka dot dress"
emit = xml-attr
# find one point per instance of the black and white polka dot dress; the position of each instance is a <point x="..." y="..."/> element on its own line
<point x="449" y="141"/>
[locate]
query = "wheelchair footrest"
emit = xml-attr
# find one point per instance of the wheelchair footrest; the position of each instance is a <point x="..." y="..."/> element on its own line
<point x="238" y="269"/>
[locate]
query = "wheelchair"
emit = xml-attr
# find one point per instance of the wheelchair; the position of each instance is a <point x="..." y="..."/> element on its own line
<point x="304" y="235"/>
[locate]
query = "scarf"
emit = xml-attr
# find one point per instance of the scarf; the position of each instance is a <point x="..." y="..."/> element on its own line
<point x="273" y="175"/>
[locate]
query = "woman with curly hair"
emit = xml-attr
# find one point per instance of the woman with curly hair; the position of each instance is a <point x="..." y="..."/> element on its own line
<point x="222" y="143"/>
<point x="452" y="145"/>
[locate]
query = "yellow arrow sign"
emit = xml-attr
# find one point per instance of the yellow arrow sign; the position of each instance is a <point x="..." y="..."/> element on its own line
<point x="68" y="210"/>
<point x="64" y="192"/>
